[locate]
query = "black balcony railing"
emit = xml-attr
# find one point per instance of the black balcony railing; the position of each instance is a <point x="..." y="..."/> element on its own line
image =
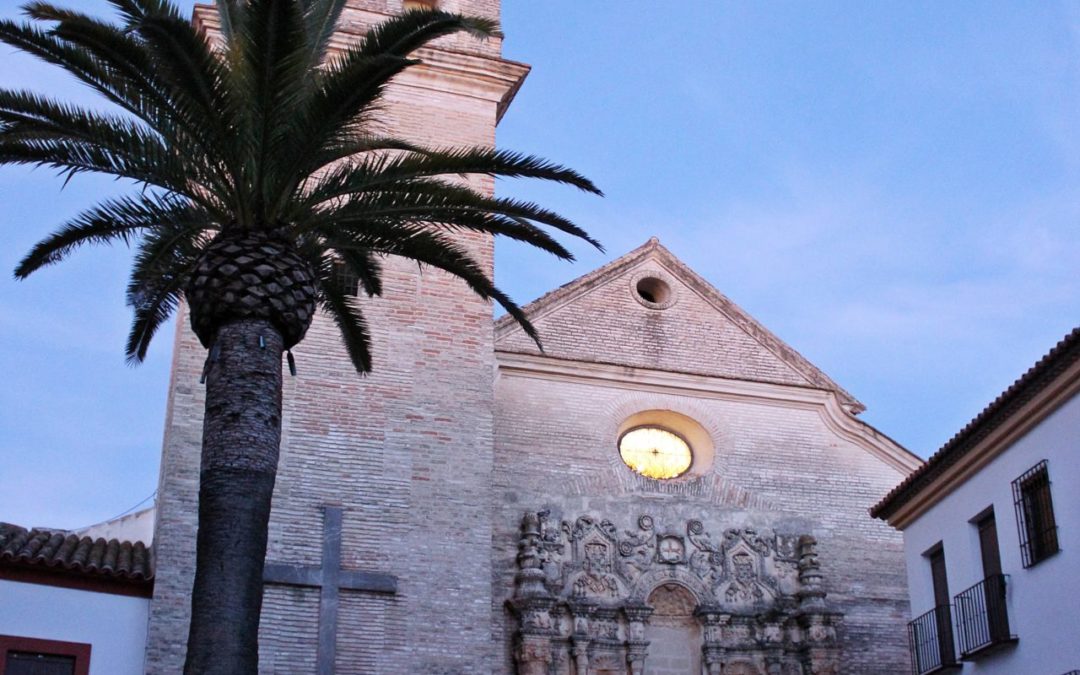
<point x="931" y="639"/>
<point x="982" y="620"/>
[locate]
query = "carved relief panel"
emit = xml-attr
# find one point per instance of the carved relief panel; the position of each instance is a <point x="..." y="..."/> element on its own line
<point x="584" y="586"/>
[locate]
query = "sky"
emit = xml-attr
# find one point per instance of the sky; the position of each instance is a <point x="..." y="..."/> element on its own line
<point x="892" y="188"/>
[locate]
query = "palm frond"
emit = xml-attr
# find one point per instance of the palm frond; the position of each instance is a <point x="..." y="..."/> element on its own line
<point x="348" y="149"/>
<point x="155" y="168"/>
<point x="114" y="64"/>
<point x="135" y="11"/>
<point x="366" y="267"/>
<point x="343" y="308"/>
<point x="37" y="126"/>
<point x="320" y="20"/>
<point x="270" y="74"/>
<point x="114" y="220"/>
<point x="434" y="211"/>
<point x="404" y="34"/>
<point x="231" y="15"/>
<point x="337" y="113"/>
<point x="381" y="171"/>
<point x="75" y="61"/>
<point x="188" y="69"/>
<point x="429" y="248"/>
<point x="162" y="266"/>
<point x="465" y="198"/>
<point x="354" y="80"/>
<point x="262" y="130"/>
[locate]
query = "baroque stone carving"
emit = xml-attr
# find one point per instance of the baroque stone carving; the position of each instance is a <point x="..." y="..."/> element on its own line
<point x="582" y="585"/>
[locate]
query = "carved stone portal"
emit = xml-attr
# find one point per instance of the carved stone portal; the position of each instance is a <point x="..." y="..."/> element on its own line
<point x="590" y="599"/>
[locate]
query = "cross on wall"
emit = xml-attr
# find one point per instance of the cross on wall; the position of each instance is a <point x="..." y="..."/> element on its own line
<point x="330" y="579"/>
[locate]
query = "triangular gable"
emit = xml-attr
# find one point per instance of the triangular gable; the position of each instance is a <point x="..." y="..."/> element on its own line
<point x="602" y="318"/>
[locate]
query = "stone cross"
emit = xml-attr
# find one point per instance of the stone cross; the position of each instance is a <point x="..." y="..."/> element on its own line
<point x="329" y="579"/>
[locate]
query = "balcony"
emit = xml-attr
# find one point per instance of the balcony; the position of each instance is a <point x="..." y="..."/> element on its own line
<point x="982" y="621"/>
<point x="931" y="639"/>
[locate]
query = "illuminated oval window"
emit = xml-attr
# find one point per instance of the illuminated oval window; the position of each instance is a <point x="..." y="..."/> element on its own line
<point x="655" y="452"/>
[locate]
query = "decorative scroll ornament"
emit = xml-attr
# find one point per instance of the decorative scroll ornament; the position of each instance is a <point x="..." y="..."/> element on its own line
<point x="582" y="589"/>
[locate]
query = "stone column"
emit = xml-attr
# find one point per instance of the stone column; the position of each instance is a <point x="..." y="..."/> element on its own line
<point x="532" y="603"/>
<point x="637" y="647"/>
<point x="580" y="650"/>
<point x="580" y="614"/>
<point x="810" y="594"/>
<point x="714" y="647"/>
<point x="533" y="655"/>
<point x="818" y="623"/>
<point x="772" y="640"/>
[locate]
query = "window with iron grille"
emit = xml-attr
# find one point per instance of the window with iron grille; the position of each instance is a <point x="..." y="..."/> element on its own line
<point x="1035" y="515"/>
<point x="345" y="279"/>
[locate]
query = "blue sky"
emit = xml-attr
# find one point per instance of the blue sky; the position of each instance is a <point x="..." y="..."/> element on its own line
<point x="892" y="188"/>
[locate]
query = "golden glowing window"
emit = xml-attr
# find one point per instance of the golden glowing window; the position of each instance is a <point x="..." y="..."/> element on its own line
<point x="655" y="452"/>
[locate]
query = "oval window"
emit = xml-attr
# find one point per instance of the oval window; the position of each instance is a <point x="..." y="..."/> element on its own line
<point x="655" y="452"/>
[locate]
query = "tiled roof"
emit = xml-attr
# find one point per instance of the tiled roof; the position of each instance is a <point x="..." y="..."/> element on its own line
<point x="1043" y="373"/>
<point x="61" y="552"/>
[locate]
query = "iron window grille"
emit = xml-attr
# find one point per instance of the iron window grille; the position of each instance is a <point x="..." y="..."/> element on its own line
<point x="1035" y="515"/>
<point x="931" y="640"/>
<point x="982" y="620"/>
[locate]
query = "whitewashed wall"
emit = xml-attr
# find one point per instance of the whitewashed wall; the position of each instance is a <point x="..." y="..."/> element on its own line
<point x="113" y="625"/>
<point x="1043" y="601"/>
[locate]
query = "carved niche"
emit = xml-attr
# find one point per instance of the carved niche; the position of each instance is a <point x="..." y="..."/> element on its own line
<point x="582" y="591"/>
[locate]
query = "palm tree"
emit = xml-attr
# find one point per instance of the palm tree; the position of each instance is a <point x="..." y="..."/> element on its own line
<point x="257" y="174"/>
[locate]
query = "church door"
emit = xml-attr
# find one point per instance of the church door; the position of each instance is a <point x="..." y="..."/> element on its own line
<point x="674" y="633"/>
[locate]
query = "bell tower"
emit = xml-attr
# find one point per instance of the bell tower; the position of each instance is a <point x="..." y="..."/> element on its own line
<point x="379" y="558"/>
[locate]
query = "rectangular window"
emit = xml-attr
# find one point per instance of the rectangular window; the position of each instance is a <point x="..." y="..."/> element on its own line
<point x="345" y="279"/>
<point x="931" y="635"/>
<point x="988" y="544"/>
<point x="1035" y="515"/>
<point x="31" y="656"/>
<point x="982" y="616"/>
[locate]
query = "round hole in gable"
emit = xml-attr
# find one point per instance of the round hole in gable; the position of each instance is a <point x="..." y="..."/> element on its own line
<point x="653" y="290"/>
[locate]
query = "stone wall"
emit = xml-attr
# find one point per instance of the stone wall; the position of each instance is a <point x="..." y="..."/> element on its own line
<point x="777" y="466"/>
<point x="786" y="457"/>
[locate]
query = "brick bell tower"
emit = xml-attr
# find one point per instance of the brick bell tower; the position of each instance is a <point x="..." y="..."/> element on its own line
<point x="379" y="558"/>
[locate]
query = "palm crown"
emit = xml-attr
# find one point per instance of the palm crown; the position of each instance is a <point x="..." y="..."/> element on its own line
<point x="258" y="171"/>
<point x="256" y="161"/>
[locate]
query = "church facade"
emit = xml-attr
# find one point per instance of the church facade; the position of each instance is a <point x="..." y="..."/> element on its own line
<point x="471" y="506"/>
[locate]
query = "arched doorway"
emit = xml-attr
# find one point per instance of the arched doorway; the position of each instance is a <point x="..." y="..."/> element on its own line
<point x="674" y="634"/>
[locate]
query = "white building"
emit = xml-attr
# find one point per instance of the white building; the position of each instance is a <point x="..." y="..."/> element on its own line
<point x="991" y="529"/>
<point x="72" y="604"/>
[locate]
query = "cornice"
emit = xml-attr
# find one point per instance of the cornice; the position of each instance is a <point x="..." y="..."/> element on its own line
<point x="488" y="78"/>
<point x="825" y="402"/>
<point x="494" y="80"/>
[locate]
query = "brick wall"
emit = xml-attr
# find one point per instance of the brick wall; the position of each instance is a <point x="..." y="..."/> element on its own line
<point x="406" y="451"/>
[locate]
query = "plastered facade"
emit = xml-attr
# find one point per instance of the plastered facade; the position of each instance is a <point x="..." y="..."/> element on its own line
<point x="1040" y="599"/>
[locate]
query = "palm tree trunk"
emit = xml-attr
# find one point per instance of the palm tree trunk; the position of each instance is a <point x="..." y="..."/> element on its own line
<point x="241" y="438"/>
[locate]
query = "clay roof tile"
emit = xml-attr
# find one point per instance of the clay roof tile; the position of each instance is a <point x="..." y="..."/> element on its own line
<point x="62" y="552"/>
